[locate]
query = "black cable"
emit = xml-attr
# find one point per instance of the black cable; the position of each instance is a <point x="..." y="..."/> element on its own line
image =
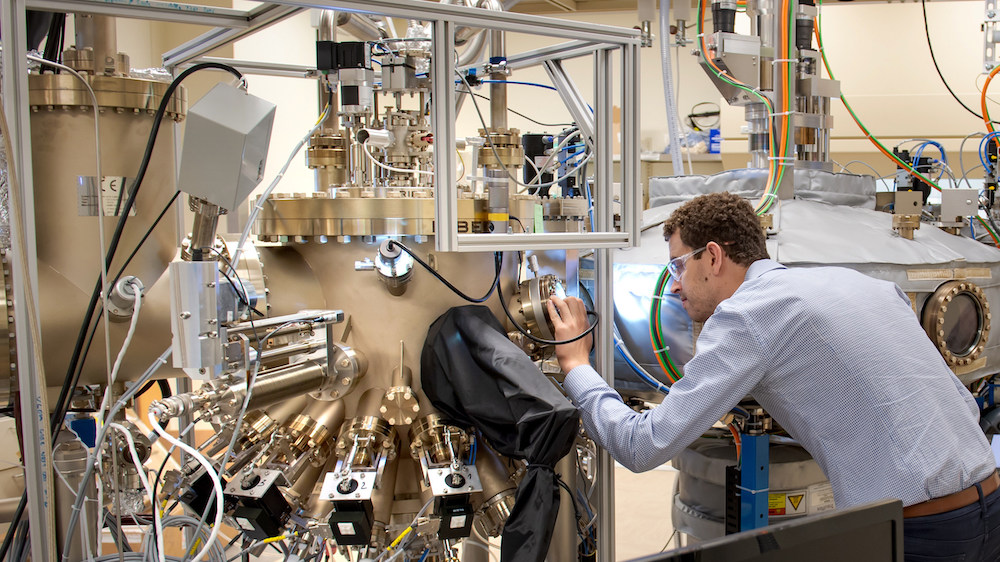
<point x="518" y="221"/>
<point x="576" y="511"/>
<point x="496" y="279"/>
<point x="54" y="36"/>
<point x="503" y="305"/>
<point x="62" y="41"/>
<point x="927" y="33"/>
<point x="149" y="232"/>
<point x="9" y="539"/>
<point x="21" y="542"/>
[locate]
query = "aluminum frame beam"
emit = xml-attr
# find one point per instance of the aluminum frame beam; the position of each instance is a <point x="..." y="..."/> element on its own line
<point x="572" y="99"/>
<point x="149" y="10"/>
<point x="631" y="186"/>
<point x="561" y="51"/>
<point x="443" y="125"/>
<point x="479" y="17"/>
<point x="34" y="407"/>
<point x="604" y="299"/>
<point x="256" y="19"/>
<point x="260" y="68"/>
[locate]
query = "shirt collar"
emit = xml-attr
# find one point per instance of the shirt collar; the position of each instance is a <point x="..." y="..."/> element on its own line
<point x="760" y="267"/>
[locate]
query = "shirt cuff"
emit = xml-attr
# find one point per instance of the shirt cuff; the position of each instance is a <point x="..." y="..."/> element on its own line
<point x="580" y="379"/>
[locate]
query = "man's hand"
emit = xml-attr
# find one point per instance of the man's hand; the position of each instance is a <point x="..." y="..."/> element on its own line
<point x="569" y="317"/>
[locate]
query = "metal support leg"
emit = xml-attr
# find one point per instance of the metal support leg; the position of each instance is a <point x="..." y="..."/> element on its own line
<point x="754" y="482"/>
<point x="443" y="124"/>
<point x="35" y="429"/>
<point x="603" y="216"/>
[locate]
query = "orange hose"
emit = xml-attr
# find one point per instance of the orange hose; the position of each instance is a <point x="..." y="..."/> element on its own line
<point x="982" y="99"/>
<point x="738" y="441"/>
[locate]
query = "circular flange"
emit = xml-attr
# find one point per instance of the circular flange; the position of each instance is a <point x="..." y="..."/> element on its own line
<point x="957" y="319"/>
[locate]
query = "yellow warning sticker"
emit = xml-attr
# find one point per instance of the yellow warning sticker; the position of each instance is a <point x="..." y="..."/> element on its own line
<point x="795" y="501"/>
<point x="775" y="504"/>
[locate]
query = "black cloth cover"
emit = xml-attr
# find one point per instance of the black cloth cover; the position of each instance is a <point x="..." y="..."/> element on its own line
<point x="477" y="377"/>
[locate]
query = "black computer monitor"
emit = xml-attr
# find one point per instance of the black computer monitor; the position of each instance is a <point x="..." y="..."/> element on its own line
<point x="868" y="533"/>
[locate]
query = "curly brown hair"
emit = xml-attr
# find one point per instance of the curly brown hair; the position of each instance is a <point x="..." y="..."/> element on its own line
<point x="723" y="218"/>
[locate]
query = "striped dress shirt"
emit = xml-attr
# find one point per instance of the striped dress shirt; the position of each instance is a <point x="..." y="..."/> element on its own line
<point x="840" y="361"/>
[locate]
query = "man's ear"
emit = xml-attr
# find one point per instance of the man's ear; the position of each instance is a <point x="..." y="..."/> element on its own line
<point x="718" y="255"/>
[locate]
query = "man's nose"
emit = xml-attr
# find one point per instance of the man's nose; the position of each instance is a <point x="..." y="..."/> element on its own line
<point x="675" y="285"/>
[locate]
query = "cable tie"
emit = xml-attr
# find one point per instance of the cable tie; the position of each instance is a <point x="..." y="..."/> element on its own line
<point x="775" y="61"/>
<point x="662" y="349"/>
<point x="783" y="159"/>
<point x="783" y="113"/>
<point x="742" y="489"/>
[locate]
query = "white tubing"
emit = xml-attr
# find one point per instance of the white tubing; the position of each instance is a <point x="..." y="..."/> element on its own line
<point x="209" y="470"/>
<point x="145" y="484"/>
<point x="673" y="122"/>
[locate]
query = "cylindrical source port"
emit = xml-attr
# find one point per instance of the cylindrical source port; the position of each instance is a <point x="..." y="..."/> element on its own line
<point x="319" y="507"/>
<point x="437" y="439"/>
<point x="327" y="414"/>
<point x="379" y="439"/>
<point x="302" y="489"/>
<point x="286" y="383"/>
<point x="379" y="138"/>
<point x="257" y="427"/>
<point x="281" y="412"/>
<point x="371" y="403"/>
<point x="724" y="16"/>
<point x="496" y="500"/>
<point x="402" y="376"/>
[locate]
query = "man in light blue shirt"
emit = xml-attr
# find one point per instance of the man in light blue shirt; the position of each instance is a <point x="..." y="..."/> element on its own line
<point x="837" y="358"/>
